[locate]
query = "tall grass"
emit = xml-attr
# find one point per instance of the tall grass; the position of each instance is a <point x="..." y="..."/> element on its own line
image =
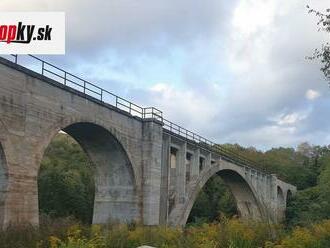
<point x="233" y="233"/>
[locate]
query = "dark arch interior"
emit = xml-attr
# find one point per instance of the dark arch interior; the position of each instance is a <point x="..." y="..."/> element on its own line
<point x="247" y="204"/>
<point x="3" y="182"/>
<point x="280" y="196"/>
<point x="214" y="200"/>
<point x="239" y="198"/>
<point x="289" y="196"/>
<point x="114" y="185"/>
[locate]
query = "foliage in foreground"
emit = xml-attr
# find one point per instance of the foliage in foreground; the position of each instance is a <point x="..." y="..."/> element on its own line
<point x="233" y="233"/>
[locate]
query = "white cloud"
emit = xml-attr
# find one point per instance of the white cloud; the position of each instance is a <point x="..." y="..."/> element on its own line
<point x="188" y="108"/>
<point x="291" y="119"/>
<point x="127" y="26"/>
<point x="250" y="15"/>
<point x="235" y="72"/>
<point x="312" y="94"/>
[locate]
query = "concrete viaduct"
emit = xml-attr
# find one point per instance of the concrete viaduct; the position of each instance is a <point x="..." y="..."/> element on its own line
<point x="148" y="169"/>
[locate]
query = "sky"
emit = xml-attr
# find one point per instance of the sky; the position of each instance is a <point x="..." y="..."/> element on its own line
<point x="232" y="71"/>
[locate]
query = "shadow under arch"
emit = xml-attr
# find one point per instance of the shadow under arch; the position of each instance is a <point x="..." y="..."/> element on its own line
<point x="289" y="196"/>
<point x="116" y="196"/>
<point x="247" y="204"/>
<point x="3" y="183"/>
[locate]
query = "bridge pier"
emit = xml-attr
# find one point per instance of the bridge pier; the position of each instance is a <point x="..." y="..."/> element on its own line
<point x="152" y="180"/>
<point x="19" y="182"/>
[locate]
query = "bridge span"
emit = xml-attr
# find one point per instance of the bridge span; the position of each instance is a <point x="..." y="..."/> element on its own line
<point x="148" y="169"/>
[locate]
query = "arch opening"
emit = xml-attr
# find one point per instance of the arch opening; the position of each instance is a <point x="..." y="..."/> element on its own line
<point x="3" y="183"/>
<point x="243" y="198"/>
<point x="289" y="196"/>
<point x="214" y="200"/>
<point x="112" y="189"/>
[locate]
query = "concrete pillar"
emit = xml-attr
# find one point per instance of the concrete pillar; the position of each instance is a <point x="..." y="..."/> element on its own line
<point x="164" y="187"/>
<point x="208" y="160"/>
<point x="21" y="204"/>
<point x="181" y="173"/>
<point x="151" y="160"/>
<point x="189" y="161"/>
<point x="195" y="165"/>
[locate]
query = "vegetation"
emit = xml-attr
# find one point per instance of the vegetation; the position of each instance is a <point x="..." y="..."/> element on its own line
<point x="66" y="190"/>
<point x="227" y="233"/>
<point x="66" y="181"/>
<point x="214" y="200"/>
<point x="322" y="54"/>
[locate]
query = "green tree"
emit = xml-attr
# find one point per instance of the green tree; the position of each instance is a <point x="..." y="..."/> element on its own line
<point x="66" y="180"/>
<point x="323" y="54"/>
<point x="313" y="204"/>
<point x="214" y="199"/>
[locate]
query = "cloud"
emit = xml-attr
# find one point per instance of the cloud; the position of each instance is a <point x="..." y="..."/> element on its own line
<point x="234" y="72"/>
<point x="312" y="94"/>
<point x="128" y="26"/>
<point x="188" y="108"/>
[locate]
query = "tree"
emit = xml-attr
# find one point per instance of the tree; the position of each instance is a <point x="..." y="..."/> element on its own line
<point x="214" y="199"/>
<point x="322" y="54"/>
<point x="66" y="181"/>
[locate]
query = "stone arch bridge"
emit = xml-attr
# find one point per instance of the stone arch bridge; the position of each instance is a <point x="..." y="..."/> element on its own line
<point x="148" y="169"/>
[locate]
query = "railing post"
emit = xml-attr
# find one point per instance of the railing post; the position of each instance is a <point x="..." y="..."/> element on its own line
<point x="130" y="107"/>
<point x="65" y="78"/>
<point x="84" y="87"/>
<point x="101" y="95"/>
<point x="42" y="67"/>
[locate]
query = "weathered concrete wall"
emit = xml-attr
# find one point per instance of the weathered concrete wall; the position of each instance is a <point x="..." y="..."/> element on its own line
<point x="115" y="196"/>
<point x="258" y="195"/>
<point x="125" y="150"/>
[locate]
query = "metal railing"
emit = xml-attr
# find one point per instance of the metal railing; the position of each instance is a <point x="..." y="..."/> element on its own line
<point x="209" y="145"/>
<point x="66" y="78"/>
<point x="92" y="90"/>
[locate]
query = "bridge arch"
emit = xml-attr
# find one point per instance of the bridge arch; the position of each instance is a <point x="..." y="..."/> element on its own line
<point x="116" y="195"/>
<point x="247" y="203"/>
